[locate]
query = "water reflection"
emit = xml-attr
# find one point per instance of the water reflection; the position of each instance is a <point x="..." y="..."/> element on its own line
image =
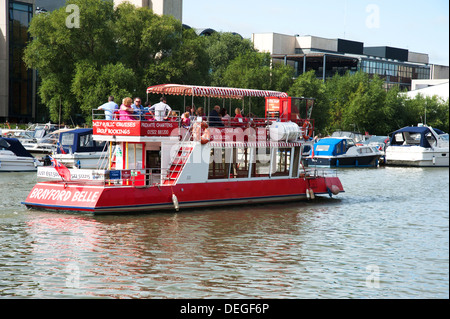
<point x="319" y="249"/>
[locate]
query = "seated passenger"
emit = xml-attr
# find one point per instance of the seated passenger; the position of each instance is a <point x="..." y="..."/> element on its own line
<point x="238" y="117"/>
<point x="185" y="120"/>
<point x="214" y="117"/>
<point x="126" y="111"/>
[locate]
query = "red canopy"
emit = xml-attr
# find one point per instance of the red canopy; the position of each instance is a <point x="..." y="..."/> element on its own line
<point x="218" y="92"/>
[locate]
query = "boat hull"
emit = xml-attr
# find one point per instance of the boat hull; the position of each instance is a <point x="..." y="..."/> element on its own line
<point x="344" y="161"/>
<point x="17" y="164"/>
<point x="125" y="199"/>
<point x="416" y="156"/>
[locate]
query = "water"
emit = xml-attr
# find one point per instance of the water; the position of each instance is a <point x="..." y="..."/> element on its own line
<point x="386" y="237"/>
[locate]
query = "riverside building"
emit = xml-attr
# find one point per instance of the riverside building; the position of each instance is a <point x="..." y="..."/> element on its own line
<point x="327" y="57"/>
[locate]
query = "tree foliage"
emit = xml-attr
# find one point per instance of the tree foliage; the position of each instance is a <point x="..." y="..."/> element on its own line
<point x="122" y="50"/>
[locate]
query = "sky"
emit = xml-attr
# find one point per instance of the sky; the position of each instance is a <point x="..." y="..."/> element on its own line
<point x="419" y="26"/>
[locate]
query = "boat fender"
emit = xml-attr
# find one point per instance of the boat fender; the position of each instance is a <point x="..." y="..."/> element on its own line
<point x="175" y="202"/>
<point x="307" y="130"/>
<point x="329" y="192"/>
<point x="307" y="194"/>
<point x="311" y="193"/>
<point x="335" y="189"/>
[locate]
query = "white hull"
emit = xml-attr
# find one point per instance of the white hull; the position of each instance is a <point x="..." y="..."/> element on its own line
<point x="17" y="164"/>
<point x="417" y="156"/>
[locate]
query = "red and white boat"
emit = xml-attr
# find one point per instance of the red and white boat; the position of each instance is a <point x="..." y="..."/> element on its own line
<point x="158" y="165"/>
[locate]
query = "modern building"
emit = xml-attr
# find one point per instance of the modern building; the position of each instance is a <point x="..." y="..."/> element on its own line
<point x="330" y="56"/>
<point x="17" y="83"/>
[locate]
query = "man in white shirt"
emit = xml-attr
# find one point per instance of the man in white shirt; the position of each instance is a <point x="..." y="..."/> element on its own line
<point x="161" y="109"/>
<point x="110" y="107"/>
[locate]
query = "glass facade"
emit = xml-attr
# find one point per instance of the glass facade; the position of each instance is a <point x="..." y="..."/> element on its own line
<point x="395" y="73"/>
<point x="20" y="78"/>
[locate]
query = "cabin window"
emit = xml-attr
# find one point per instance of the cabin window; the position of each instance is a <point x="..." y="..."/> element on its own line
<point x="282" y="162"/>
<point x="86" y="141"/>
<point x="261" y="167"/>
<point x="219" y="166"/>
<point x="296" y="162"/>
<point x="241" y="163"/>
<point x="67" y="139"/>
<point x="134" y="152"/>
<point x="323" y="148"/>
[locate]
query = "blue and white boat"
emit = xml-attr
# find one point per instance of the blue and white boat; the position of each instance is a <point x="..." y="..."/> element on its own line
<point x="418" y="146"/>
<point x="343" y="152"/>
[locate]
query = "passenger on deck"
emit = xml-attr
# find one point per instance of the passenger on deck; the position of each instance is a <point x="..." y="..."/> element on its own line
<point x="201" y="114"/>
<point x="214" y="117"/>
<point x="185" y="120"/>
<point x="161" y="109"/>
<point x="110" y="107"/>
<point x="126" y="110"/>
<point x="138" y="108"/>
<point x="238" y="117"/>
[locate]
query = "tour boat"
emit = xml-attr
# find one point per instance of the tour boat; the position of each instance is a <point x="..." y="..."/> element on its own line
<point x="159" y="165"/>
<point x="418" y="146"/>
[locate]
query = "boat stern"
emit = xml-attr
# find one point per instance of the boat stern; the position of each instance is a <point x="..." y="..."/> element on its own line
<point x="64" y="197"/>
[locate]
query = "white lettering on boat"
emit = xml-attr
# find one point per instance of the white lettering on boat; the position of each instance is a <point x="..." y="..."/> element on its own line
<point x="64" y="195"/>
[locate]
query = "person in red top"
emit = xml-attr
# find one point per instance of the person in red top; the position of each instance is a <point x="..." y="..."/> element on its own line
<point x="238" y="117"/>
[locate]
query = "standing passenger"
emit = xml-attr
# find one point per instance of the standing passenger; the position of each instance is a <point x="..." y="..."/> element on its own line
<point x="110" y="107"/>
<point x="160" y="109"/>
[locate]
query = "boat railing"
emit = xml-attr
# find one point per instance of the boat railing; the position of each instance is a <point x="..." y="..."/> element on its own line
<point x="231" y="122"/>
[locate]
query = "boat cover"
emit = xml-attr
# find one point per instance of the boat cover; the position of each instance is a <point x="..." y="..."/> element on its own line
<point x="79" y="141"/>
<point x="13" y="145"/>
<point x="218" y="92"/>
<point x="336" y="146"/>
<point x="422" y="130"/>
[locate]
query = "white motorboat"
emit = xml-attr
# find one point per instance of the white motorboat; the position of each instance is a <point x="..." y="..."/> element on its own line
<point x="418" y="146"/>
<point x="14" y="157"/>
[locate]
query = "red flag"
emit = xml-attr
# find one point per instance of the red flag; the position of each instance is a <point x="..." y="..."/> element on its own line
<point x="62" y="170"/>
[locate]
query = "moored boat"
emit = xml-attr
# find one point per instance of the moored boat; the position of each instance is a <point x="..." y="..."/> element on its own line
<point x="343" y="152"/>
<point x="14" y="157"/>
<point x="156" y="165"/>
<point x="78" y="149"/>
<point x="418" y="146"/>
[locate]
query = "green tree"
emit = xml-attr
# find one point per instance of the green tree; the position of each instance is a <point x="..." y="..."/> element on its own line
<point x="222" y="48"/>
<point x="309" y="86"/>
<point x="119" y="51"/>
<point x="254" y="70"/>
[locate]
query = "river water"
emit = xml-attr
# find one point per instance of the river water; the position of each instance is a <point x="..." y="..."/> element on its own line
<point x="387" y="236"/>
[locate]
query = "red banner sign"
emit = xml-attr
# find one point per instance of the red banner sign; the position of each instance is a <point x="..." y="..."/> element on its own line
<point x="133" y="128"/>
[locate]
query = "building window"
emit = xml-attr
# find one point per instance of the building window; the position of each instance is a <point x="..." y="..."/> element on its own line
<point x="20" y="78"/>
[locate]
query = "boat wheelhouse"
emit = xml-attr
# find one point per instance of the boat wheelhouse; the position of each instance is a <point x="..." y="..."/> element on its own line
<point x="155" y="165"/>
<point x="418" y="146"/>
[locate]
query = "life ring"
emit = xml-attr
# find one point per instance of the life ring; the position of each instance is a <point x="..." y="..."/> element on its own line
<point x="307" y="130"/>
